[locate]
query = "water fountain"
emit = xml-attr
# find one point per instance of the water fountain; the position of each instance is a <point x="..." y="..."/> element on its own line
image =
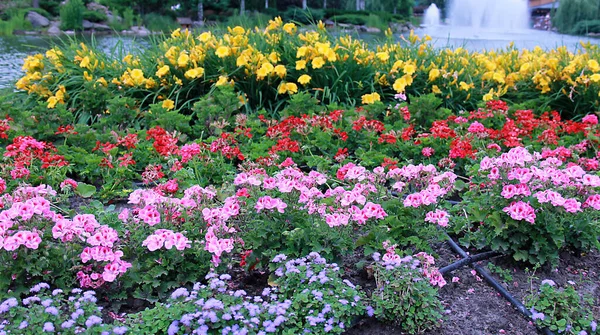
<point x="501" y="15"/>
<point x="490" y="24"/>
<point x="432" y="16"/>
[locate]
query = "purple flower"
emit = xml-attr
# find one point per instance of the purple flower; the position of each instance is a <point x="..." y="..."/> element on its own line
<point x="23" y="324"/>
<point x="376" y="256"/>
<point x="593" y="325"/>
<point x="48" y="327"/>
<point x="180" y="292"/>
<point x="173" y="328"/>
<point x="30" y="300"/>
<point x="120" y="330"/>
<point x="67" y="324"/>
<point x="535" y="315"/>
<point x="38" y="288"/>
<point x="370" y="311"/>
<point x="549" y="282"/>
<point x="8" y="304"/>
<point x="583" y="332"/>
<point x="77" y="314"/>
<point x="92" y="320"/>
<point x="52" y="310"/>
<point x="47" y="302"/>
<point x="57" y="292"/>
<point x="279" y="258"/>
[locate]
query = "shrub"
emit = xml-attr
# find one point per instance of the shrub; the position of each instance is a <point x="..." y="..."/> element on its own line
<point x="44" y="311"/>
<point x="94" y="16"/>
<point x="570" y="12"/>
<point x="562" y="309"/>
<point x="157" y="22"/>
<point x="307" y="16"/>
<point x="71" y="15"/>
<point x="585" y="27"/>
<point x="531" y="206"/>
<point x="406" y="291"/>
<point x="355" y="19"/>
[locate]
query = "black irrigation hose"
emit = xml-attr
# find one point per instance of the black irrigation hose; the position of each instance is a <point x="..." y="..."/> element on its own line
<point x="468" y="260"/>
<point x="509" y="297"/>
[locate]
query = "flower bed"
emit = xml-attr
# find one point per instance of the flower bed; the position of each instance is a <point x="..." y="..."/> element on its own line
<point x="185" y="198"/>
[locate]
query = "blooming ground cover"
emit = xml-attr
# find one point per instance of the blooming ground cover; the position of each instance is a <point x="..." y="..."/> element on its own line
<point x="284" y="153"/>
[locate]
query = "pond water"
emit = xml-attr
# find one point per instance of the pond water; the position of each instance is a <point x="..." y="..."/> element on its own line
<point x="14" y="49"/>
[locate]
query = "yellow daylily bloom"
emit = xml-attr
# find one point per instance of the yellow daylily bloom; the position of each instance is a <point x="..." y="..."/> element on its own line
<point x="304" y="79"/>
<point x="168" y="104"/>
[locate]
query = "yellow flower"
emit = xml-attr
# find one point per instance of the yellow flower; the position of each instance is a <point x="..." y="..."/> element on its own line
<point x="222" y="51"/>
<point x="595" y="77"/>
<point x="289" y="88"/>
<point x="280" y="71"/>
<point x="87" y="76"/>
<point x="369" y="99"/>
<point x="464" y="86"/>
<point x="162" y="71"/>
<point x="434" y="74"/>
<point x="300" y="65"/>
<point x="194" y="73"/>
<point x="168" y="104"/>
<point x="304" y="79"/>
<point x="85" y="62"/>
<point x="176" y="33"/>
<point x="237" y="30"/>
<point x="317" y="63"/>
<point x="301" y="51"/>
<point x="102" y="81"/>
<point x="593" y="65"/>
<point x="242" y="60"/>
<point x="409" y="68"/>
<point x="435" y="89"/>
<point x="137" y="76"/>
<point x="222" y="81"/>
<point x="127" y="59"/>
<point x="289" y="28"/>
<point x="52" y="101"/>
<point x="205" y="36"/>
<point x="489" y="96"/>
<point x="400" y="85"/>
<point x="383" y="56"/>
<point x="183" y="59"/>
<point x="264" y="70"/>
<point x="273" y="57"/>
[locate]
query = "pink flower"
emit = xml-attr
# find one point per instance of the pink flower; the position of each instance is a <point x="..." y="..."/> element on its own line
<point x="12" y="243"/>
<point x="520" y="211"/>
<point x="31" y="240"/>
<point x="455" y="279"/>
<point x="591" y="119"/>
<point x="427" y="151"/>
<point x="153" y="242"/>
<point x="68" y="183"/>
<point x="593" y="201"/>
<point x="476" y="127"/>
<point x="150" y="215"/>
<point x="336" y="220"/>
<point x="269" y="203"/>
<point x="439" y="217"/>
<point x="124" y="215"/>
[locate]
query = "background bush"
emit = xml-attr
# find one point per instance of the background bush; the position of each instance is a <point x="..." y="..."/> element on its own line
<point x="71" y="15"/>
<point x="94" y="16"/>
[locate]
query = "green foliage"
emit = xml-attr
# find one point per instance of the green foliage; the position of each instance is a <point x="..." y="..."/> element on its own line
<point x="304" y="16"/>
<point x="94" y="16"/>
<point x="425" y="109"/>
<point x="128" y="18"/>
<point x="562" y="309"/>
<point x="220" y="104"/>
<point x="504" y="274"/>
<point x="71" y="15"/>
<point x="571" y="12"/>
<point x="405" y="297"/>
<point x="355" y="19"/>
<point x="157" y="22"/>
<point x="586" y="26"/>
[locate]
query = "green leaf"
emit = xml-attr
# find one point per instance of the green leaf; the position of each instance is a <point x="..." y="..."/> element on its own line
<point x="85" y="190"/>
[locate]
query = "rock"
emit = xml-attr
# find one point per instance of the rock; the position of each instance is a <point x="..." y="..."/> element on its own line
<point x="361" y="28"/>
<point x="97" y="7"/>
<point x="373" y="30"/>
<point x="69" y="32"/>
<point x="100" y="26"/>
<point x="87" y="24"/>
<point x="112" y="18"/>
<point x="37" y="20"/>
<point x="198" y="24"/>
<point x="140" y="30"/>
<point x="54" y="30"/>
<point x="344" y="25"/>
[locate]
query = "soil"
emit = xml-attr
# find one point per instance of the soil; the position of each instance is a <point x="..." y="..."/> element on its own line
<point x="472" y="307"/>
